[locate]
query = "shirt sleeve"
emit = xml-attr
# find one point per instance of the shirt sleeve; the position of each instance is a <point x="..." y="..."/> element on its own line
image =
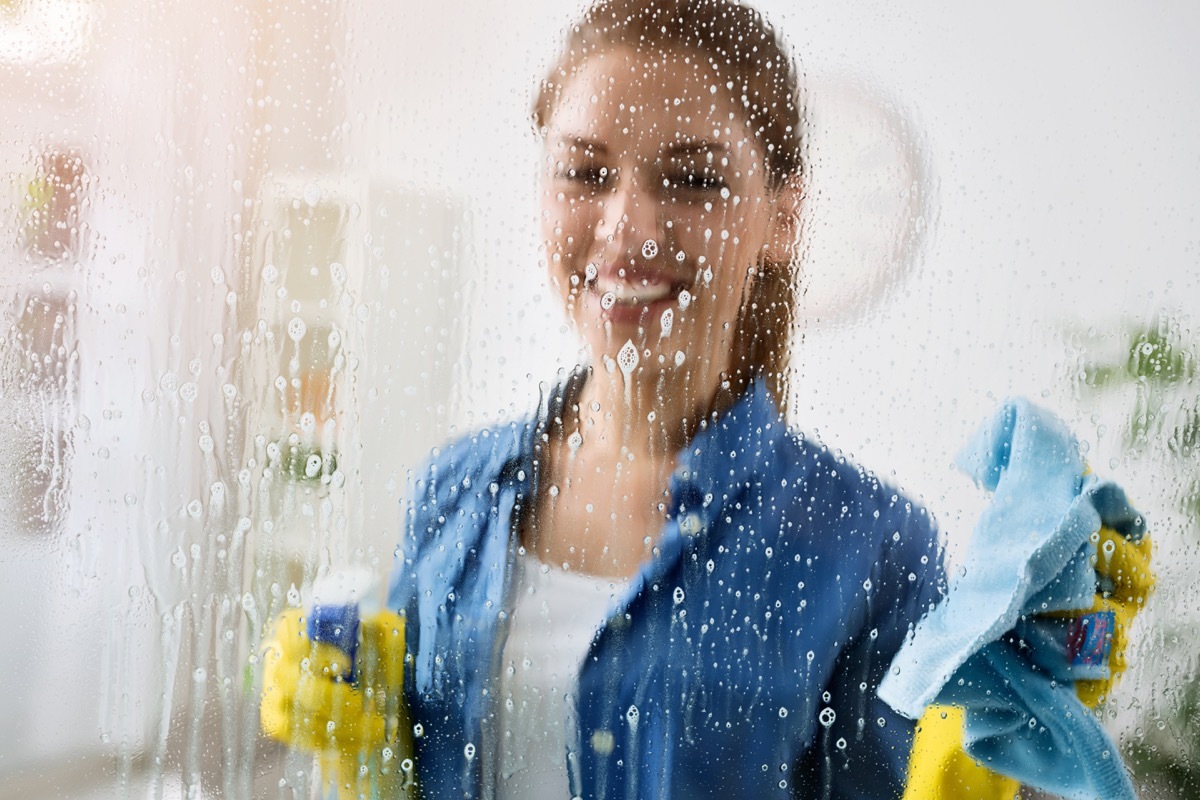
<point x="862" y="747"/>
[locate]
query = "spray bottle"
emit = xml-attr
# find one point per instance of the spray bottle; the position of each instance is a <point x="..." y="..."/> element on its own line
<point x="342" y="602"/>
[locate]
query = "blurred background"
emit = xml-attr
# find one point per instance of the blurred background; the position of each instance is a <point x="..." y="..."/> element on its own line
<point x="257" y="258"/>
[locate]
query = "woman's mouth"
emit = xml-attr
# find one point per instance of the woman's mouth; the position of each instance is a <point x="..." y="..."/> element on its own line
<point x="625" y="299"/>
<point x="619" y="291"/>
<point x="633" y="296"/>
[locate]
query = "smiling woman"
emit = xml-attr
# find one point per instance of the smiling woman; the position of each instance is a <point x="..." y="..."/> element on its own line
<point x="652" y="587"/>
<point x="657" y="223"/>
<point x="258" y="265"/>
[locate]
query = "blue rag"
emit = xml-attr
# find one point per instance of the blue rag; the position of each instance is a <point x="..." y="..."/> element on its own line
<point x="983" y="649"/>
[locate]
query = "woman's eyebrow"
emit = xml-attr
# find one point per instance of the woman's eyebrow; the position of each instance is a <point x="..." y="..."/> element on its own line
<point x="586" y="145"/>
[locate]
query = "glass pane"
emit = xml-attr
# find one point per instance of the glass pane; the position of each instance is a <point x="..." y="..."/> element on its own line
<point x="265" y="264"/>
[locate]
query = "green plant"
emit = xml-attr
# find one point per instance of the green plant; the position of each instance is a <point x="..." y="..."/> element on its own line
<point x="305" y="463"/>
<point x="1151" y="374"/>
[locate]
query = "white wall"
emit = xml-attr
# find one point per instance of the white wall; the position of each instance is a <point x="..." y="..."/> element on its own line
<point x="1063" y="165"/>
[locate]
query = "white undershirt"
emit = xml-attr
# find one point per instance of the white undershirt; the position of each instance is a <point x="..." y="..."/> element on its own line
<point x="555" y="615"/>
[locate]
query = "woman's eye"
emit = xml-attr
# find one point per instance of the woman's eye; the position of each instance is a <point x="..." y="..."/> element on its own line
<point x="588" y="176"/>
<point x="695" y="180"/>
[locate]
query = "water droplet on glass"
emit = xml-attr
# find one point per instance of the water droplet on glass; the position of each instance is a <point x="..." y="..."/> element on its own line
<point x="668" y="321"/>
<point x="296" y="329"/>
<point x="312" y="467"/>
<point x="827" y="716"/>
<point x="685" y="299"/>
<point x="649" y="248"/>
<point x="627" y="359"/>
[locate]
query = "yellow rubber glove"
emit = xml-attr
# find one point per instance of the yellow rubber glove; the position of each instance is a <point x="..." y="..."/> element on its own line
<point x="359" y="730"/>
<point x="1126" y="583"/>
<point x="940" y="769"/>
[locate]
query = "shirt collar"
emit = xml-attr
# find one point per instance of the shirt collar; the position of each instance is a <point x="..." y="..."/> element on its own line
<point x="716" y="465"/>
<point x="725" y="453"/>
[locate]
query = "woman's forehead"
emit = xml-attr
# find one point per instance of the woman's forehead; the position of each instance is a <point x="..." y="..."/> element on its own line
<point x="638" y="98"/>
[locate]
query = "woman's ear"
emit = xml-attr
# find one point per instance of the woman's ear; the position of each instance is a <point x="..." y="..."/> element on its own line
<point x="788" y="202"/>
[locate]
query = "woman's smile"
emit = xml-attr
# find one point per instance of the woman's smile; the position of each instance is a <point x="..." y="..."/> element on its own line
<point x="631" y="295"/>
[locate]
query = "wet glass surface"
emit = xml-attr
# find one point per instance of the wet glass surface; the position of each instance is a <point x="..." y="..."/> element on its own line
<point x="259" y="261"/>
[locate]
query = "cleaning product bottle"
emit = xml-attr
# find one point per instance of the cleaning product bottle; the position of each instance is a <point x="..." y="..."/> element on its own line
<point x="346" y="610"/>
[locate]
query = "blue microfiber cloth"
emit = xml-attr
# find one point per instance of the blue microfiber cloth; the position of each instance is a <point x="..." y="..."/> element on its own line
<point x="981" y="648"/>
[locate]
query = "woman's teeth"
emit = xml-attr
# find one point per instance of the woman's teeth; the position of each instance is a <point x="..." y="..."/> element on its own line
<point x="633" y="293"/>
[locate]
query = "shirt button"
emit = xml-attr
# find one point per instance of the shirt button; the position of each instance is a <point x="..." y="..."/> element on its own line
<point x="691" y="524"/>
<point x="602" y="742"/>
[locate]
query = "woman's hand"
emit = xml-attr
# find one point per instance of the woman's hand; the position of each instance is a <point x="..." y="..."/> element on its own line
<point x="940" y="769"/>
<point x="309" y="706"/>
<point x="1124" y="582"/>
<point x="1009" y="643"/>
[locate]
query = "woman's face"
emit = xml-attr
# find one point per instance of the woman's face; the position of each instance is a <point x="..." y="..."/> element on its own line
<point x="654" y="209"/>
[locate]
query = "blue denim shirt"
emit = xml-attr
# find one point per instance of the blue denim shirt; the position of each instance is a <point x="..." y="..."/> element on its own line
<point x="742" y="660"/>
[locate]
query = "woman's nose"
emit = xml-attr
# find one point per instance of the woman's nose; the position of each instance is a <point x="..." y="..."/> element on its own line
<point x="629" y="217"/>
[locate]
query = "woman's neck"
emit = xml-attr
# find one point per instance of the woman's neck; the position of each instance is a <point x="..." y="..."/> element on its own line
<point x="647" y="417"/>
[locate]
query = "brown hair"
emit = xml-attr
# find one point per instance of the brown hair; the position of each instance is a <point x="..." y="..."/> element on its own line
<point x="743" y="49"/>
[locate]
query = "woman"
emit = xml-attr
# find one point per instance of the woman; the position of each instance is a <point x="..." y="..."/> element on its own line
<point x="722" y="544"/>
<point x="652" y="588"/>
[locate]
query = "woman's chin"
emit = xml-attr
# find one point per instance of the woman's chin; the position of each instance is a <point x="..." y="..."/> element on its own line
<point x="641" y="353"/>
